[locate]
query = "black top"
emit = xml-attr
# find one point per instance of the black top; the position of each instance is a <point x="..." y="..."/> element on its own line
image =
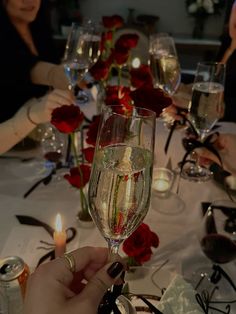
<point x="16" y="62"/>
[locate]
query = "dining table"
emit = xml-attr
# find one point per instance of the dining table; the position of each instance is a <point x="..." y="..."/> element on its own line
<point x="179" y="251"/>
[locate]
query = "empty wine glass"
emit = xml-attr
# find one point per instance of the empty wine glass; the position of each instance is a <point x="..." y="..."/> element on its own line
<point x="205" y="109"/>
<point x="164" y="63"/>
<point x="120" y="182"/>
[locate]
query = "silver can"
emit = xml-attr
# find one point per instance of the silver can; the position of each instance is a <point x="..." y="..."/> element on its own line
<point x="13" y="278"/>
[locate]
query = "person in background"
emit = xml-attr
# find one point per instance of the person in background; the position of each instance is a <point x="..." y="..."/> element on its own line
<point x="28" y="60"/>
<point x="227" y="55"/>
<point x="57" y="288"/>
<point x="34" y="112"/>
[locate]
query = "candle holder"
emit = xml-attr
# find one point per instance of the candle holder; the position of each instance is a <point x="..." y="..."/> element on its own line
<point x="163" y="199"/>
<point x="162" y="183"/>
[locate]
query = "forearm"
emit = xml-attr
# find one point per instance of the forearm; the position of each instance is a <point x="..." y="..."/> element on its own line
<point x="15" y="129"/>
<point x="45" y="73"/>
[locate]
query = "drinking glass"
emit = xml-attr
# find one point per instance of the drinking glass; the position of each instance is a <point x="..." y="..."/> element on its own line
<point x="82" y="50"/>
<point x="205" y="109"/>
<point x="216" y="235"/>
<point x="95" y="30"/>
<point x="121" y="178"/>
<point x="218" y="232"/>
<point x="164" y="63"/>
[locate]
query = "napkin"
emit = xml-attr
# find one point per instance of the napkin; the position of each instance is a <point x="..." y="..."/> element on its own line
<point x="231" y="182"/>
<point x="179" y="297"/>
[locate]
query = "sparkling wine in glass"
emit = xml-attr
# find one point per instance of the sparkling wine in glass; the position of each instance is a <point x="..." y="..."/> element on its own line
<point x="120" y="182"/>
<point x="164" y="63"/>
<point x="81" y="51"/>
<point x="205" y="109"/>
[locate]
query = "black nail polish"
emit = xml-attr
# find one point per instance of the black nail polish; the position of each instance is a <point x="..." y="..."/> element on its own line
<point x="115" y="269"/>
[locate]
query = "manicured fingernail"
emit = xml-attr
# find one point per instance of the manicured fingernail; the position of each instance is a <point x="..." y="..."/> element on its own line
<point x="115" y="269"/>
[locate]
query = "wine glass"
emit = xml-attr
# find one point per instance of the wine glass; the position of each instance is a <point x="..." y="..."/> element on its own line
<point x="164" y="63"/>
<point x="218" y="232"/>
<point x="95" y="50"/>
<point x="205" y="109"/>
<point x="82" y="50"/>
<point x="120" y="182"/>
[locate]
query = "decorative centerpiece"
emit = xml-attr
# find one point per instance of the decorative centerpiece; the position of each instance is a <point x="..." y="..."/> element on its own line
<point x="200" y="10"/>
<point x="125" y="81"/>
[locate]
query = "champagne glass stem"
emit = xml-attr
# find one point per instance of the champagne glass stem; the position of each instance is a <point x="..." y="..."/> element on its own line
<point x="113" y="247"/>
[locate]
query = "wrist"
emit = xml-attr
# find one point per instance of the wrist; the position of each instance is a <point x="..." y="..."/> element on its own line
<point x="28" y="114"/>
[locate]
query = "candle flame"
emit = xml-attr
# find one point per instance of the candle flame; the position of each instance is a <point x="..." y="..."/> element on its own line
<point x="58" y="224"/>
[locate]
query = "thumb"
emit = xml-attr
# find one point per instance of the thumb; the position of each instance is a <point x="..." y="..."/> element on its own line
<point x="98" y="285"/>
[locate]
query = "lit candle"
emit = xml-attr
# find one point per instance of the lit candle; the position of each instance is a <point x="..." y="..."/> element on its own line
<point x="162" y="180"/>
<point x="59" y="237"/>
<point x="161" y="185"/>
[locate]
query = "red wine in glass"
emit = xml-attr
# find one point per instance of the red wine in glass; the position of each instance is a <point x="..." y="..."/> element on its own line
<point x="219" y="248"/>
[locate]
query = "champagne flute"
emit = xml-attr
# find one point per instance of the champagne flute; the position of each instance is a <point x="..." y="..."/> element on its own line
<point x="205" y="109"/>
<point x="120" y="182"/>
<point x="164" y="63"/>
<point x="82" y="49"/>
<point x="94" y="52"/>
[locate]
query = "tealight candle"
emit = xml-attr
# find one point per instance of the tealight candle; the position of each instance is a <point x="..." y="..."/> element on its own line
<point x="59" y="237"/>
<point x="162" y="180"/>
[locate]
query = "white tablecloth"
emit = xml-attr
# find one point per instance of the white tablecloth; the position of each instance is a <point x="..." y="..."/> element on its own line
<point x="176" y="232"/>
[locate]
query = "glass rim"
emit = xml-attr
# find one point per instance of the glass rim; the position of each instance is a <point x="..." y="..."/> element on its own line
<point x="209" y="63"/>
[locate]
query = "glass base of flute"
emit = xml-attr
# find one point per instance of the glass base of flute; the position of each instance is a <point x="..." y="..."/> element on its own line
<point x="82" y="97"/>
<point x="193" y="171"/>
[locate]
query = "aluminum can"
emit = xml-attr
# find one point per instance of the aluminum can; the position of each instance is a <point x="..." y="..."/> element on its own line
<point x="13" y="278"/>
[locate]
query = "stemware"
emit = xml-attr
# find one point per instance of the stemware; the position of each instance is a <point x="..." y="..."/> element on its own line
<point x="164" y="63"/>
<point x="205" y="109"/>
<point x="216" y="235"/>
<point x="120" y="182"/>
<point x="82" y="50"/>
<point x="217" y="232"/>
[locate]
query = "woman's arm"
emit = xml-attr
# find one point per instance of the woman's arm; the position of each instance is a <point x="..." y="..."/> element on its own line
<point x="34" y="112"/>
<point x="45" y="73"/>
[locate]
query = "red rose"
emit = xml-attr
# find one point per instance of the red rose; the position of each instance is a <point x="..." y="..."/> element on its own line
<point x="120" y="55"/>
<point x="118" y="95"/>
<point x="139" y="244"/>
<point x="114" y="21"/>
<point x="75" y="179"/>
<point x="93" y="130"/>
<point x="100" y="70"/>
<point x="141" y="76"/>
<point x="127" y="41"/>
<point x="88" y="154"/>
<point x="151" y="98"/>
<point x="67" y="118"/>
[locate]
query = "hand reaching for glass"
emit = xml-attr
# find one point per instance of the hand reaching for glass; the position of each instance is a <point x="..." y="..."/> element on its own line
<point x="56" y="287"/>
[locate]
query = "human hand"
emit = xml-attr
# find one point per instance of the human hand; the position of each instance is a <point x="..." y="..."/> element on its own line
<point x="226" y="147"/>
<point x="41" y="110"/>
<point x="54" y="289"/>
